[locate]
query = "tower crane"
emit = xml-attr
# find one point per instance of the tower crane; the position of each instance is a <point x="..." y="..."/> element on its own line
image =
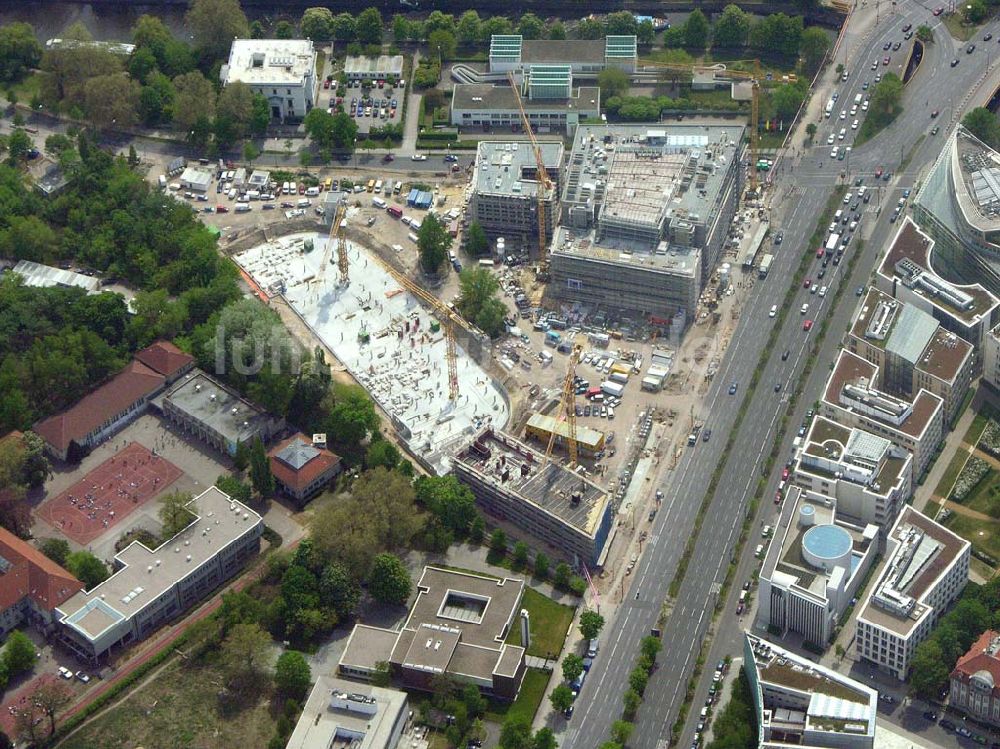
<point x="752" y="76"/>
<point x="567" y="406"/>
<point x="335" y="237"/>
<point x="545" y="184"/>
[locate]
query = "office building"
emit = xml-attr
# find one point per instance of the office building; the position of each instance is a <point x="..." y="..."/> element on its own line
<point x="968" y="310"/>
<point x="852" y="399"/>
<point x="379" y="68"/>
<point x="990" y="356"/>
<point x="645" y="213"/>
<point x="150" y="587"/>
<point x="926" y="568"/>
<point x="974" y="686"/>
<point x="346" y="714"/>
<point x="911" y="350"/>
<point x="505" y="187"/>
<point x="585" y="57"/>
<point x="216" y="414"/>
<point x="515" y="483"/>
<point x="812" y="569"/>
<point x="803" y="704"/>
<point x="283" y="71"/>
<point x="32" y="586"/>
<point x="302" y="467"/>
<point x="457" y="627"/>
<point x="866" y="476"/>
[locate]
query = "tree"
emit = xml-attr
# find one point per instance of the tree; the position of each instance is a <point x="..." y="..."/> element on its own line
<point x="344" y="27"/>
<point x="368" y="27"/>
<point x="696" y="30"/>
<point x="469" y="28"/>
<point x="194" y="99"/>
<point x="400" y="28"/>
<point x="498" y="542"/>
<point x="450" y="501"/>
<point x="541" y="565"/>
<point x="261" y="116"/>
<point x="561" y="698"/>
<point x="382" y="453"/>
<point x="928" y="669"/>
<point x="650" y="646"/>
<point x="590" y="28"/>
<point x="284" y="30"/>
<point x="516" y="734"/>
<point x="811" y="130"/>
<point x="250" y="152"/>
<point x="612" y="82"/>
<point x="87" y="568"/>
<point x="433" y="243"/>
<point x="476" y="243"/>
<point x="732" y="28"/>
<point x="925" y="33"/>
<point x="480" y="302"/>
<point x="156" y="100"/>
<point x="443" y="43"/>
<point x="19" y="51"/>
<point x="338" y="591"/>
<point x="885" y="101"/>
<point x="19" y="145"/>
<point x="777" y="33"/>
<point x="292" y="675"/>
<point x="572" y="667"/>
<point x="544" y="739"/>
<point x="621" y="731"/>
<point x="317" y="24"/>
<point x="591" y="624"/>
<point x="813" y="47"/>
<point x="109" y="100"/>
<point x="562" y="575"/>
<point x="260" y="469"/>
<point x="630" y="703"/>
<point x="352" y="414"/>
<point x="982" y="123"/>
<point x="638" y="678"/>
<point x="214" y="24"/>
<point x="557" y="31"/>
<point x="55" y="549"/>
<point x="331" y="130"/>
<point x="236" y="103"/>
<point x="50" y="697"/>
<point x="244" y="652"/>
<point x="786" y="100"/>
<point x="19" y="653"/>
<point x="174" y="513"/>
<point x="345" y="131"/>
<point x="27" y="238"/>
<point x="389" y="581"/>
<point x="520" y="555"/>
<point x="236" y="489"/>
<point x="975" y="11"/>
<point x="531" y="26"/>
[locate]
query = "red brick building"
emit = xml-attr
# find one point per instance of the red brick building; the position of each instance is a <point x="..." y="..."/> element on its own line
<point x="301" y="468"/>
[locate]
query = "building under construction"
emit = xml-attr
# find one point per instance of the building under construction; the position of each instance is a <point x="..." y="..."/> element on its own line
<point x="645" y="213"/>
<point x="515" y="483"/>
<point x="505" y="189"/>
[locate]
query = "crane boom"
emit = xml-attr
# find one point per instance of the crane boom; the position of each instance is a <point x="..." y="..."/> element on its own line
<point x="568" y="407"/>
<point x="543" y="176"/>
<point x="334" y="238"/>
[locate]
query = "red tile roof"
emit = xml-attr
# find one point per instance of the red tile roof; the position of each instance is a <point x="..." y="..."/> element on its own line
<point x="134" y="382"/>
<point x="981" y="657"/>
<point x="33" y="574"/>
<point x="165" y="358"/>
<point x="299" y="479"/>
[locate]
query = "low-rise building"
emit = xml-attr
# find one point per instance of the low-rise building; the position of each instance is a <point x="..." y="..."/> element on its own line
<point x="540" y="427"/>
<point x="812" y="569"/>
<point x="585" y="57"/>
<point x="150" y="587"/>
<point x="513" y="482"/>
<point x="801" y="703"/>
<point x="852" y="399"/>
<point x="382" y="67"/>
<point x="911" y="350"/>
<point x="864" y="475"/>
<point x="281" y="70"/>
<point x="165" y="358"/>
<point x="36" y="274"/>
<point x="457" y="627"/>
<point x="974" y="686"/>
<point x="342" y="713"/>
<point x="301" y="467"/>
<point x="549" y="106"/>
<point x="216" y="414"/>
<point x="196" y="180"/>
<point x="32" y="586"/>
<point x="926" y="567"/>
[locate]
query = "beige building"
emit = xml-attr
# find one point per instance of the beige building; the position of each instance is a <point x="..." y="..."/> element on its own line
<point x="926" y="567"/>
<point x="852" y="399"/>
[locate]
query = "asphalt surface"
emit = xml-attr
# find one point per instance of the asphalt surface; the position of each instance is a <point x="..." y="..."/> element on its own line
<point x="802" y="191"/>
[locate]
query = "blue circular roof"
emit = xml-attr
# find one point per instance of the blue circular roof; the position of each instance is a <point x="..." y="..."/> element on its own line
<point x="827" y="541"/>
<point x="807" y="510"/>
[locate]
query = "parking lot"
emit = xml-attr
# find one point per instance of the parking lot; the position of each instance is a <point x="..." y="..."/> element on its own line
<point x="375" y="107"/>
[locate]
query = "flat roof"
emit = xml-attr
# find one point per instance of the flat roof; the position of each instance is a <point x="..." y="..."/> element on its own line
<point x="36" y="274"/>
<point x="859" y="456"/>
<point x="146" y="574"/>
<point x="384" y="64"/>
<point x="265" y="61"/>
<point x="516" y="469"/>
<point x="592" y="439"/>
<point x="945" y="355"/>
<point x="210" y="402"/>
<point x="510" y="168"/>
<point x="486" y="96"/>
<point x="196" y="176"/>
<point x="346" y="713"/>
<point x="589" y="51"/>
<point x="922" y="551"/>
<point x="976" y="179"/>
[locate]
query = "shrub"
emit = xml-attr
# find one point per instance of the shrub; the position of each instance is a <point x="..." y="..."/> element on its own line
<point x="975" y="470"/>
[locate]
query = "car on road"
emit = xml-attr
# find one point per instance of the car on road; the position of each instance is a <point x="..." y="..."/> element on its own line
<point x="785" y="474"/>
<point x="807" y="283"/>
<point x="780" y="236"/>
<point x="887" y="698"/>
<point x="896" y="46"/>
<point x="908" y="35"/>
<point x="864" y="86"/>
<point x="784" y="356"/>
<point x="875" y="65"/>
<point x="877" y="79"/>
<point x="418" y="157"/>
<point x="954" y="62"/>
<point x="451" y="157"/>
<point x="886" y="46"/>
<point x="706" y="435"/>
<point x="860" y="291"/>
<point x="83" y="677"/>
<point x="568" y="712"/>
<point x="885" y="60"/>
<point x="938" y="11"/>
<point x="878" y="172"/>
<point x="963" y="731"/>
<point x="843" y="114"/>
<point x="807" y="325"/>
<point x="970" y="49"/>
<point x="987" y="37"/>
<point x="733" y="388"/>
<point x="777" y="387"/>
<point x="388" y="157"/>
<point x="907" y="27"/>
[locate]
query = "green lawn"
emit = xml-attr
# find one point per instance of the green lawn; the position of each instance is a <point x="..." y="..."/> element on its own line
<point x="983" y="497"/>
<point x="961" y="31"/>
<point x="984" y="534"/>
<point x="528" y="699"/>
<point x="978" y="426"/>
<point x="27" y="89"/>
<point x="943" y="489"/>
<point x="550" y="621"/>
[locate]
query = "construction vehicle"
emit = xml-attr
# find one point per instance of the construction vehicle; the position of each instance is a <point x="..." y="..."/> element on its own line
<point x="567" y="408"/>
<point x="725" y="73"/>
<point x="546" y="186"/>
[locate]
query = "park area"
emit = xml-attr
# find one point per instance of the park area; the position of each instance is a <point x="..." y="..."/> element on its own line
<point x="550" y="621"/>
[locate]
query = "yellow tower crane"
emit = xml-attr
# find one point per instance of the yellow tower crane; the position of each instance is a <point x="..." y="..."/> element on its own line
<point x="567" y="407"/>
<point x="725" y="73"/>
<point x="545" y="184"/>
<point x="335" y="237"/>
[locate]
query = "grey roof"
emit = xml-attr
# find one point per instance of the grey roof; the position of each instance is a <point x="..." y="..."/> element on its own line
<point x="383" y="64"/>
<point x="36" y="274"/>
<point x="263" y="62"/>
<point x="483" y="96"/>
<point x="500" y="167"/>
<point x="910" y="335"/>
<point x="297" y="453"/>
<point x="866" y="446"/>
<point x="337" y="709"/>
<point x="563" y="50"/>
<point x="217" y="407"/>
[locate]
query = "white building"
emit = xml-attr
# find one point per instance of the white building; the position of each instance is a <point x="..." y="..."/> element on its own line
<point x="196" y="180"/>
<point x="152" y="586"/>
<point x="383" y="67"/>
<point x="991" y="358"/>
<point x="812" y="569"/>
<point x="281" y="70"/>
<point x="478" y="104"/>
<point x="349" y="714"/>
<point x="803" y="704"/>
<point x="926" y="568"/>
<point x="512" y="52"/>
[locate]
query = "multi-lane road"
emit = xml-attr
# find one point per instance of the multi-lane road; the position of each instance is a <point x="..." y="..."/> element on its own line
<point x="802" y="189"/>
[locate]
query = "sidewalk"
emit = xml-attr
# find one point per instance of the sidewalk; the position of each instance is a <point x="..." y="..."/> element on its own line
<point x="952" y="444"/>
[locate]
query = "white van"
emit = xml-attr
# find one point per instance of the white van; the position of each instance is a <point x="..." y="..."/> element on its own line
<point x="774" y="310"/>
<point x="378" y="203"/>
<point x="406" y="220"/>
<point x="284" y="188"/>
<point x="415" y="225"/>
<point x="232" y="193"/>
<point x="313" y="191"/>
<point x="805" y="308"/>
<point x="842" y="134"/>
<point x="163" y="182"/>
<point x="292" y="188"/>
<point x="412" y="237"/>
<point x="838" y="215"/>
<point x="303" y="203"/>
<point x="243" y="208"/>
<point x="378" y="185"/>
<point x="253" y="195"/>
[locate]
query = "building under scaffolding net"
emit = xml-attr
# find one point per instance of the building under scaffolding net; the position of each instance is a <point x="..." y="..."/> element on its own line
<point x="645" y="213"/>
